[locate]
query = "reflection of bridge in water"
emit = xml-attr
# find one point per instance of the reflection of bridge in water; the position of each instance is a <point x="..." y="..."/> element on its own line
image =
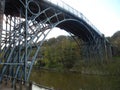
<point x="29" y="21"/>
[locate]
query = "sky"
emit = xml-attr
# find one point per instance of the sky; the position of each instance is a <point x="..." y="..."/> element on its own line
<point x="104" y="14"/>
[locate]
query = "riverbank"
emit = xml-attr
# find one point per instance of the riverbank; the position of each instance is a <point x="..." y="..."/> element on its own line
<point x="7" y="85"/>
<point x="19" y="85"/>
<point x="110" y="68"/>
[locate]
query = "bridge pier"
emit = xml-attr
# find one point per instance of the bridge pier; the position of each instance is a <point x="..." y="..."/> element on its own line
<point x="109" y="51"/>
<point x="99" y="52"/>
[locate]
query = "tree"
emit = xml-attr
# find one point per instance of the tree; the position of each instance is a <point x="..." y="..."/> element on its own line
<point x="61" y="52"/>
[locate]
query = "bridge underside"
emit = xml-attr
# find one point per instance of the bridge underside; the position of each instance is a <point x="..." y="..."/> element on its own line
<point x="43" y="11"/>
<point x="26" y="25"/>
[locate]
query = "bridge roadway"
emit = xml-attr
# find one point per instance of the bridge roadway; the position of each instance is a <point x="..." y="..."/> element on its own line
<point x="28" y="21"/>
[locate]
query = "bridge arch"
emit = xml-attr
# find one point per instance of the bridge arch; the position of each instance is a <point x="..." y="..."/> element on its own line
<point x="78" y="28"/>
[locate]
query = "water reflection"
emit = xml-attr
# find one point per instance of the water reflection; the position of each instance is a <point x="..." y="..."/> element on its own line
<point x="75" y="81"/>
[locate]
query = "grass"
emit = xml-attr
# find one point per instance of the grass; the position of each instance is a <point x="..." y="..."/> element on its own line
<point x="112" y="67"/>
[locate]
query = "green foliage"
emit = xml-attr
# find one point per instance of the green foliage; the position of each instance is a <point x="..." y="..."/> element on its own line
<point x="61" y="52"/>
<point x="115" y="41"/>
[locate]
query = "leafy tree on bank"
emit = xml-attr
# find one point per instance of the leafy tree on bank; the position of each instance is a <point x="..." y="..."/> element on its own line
<point x="60" y="52"/>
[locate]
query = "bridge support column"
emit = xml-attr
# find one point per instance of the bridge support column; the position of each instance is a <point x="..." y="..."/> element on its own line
<point x="85" y="52"/>
<point x="97" y="52"/>
<point x="89" y="52"/>
<point x="106" y="50"/>
<point x="109" y="51"/>
<point x="2" y="5"/>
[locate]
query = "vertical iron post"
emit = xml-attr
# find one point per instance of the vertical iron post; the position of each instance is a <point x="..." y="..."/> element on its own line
<point x="26" y="29"/>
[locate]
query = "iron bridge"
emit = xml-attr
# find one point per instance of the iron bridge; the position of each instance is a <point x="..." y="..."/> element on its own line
<point x="26" y="23"/>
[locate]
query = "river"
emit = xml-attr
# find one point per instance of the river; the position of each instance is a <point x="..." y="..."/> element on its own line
<point x="75" y="81"/>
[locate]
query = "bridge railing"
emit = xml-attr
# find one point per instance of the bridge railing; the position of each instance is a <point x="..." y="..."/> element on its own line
<point x="73" y="11"/>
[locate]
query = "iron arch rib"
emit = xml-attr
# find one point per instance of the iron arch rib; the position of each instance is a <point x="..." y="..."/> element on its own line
<point x="75" y="27"/>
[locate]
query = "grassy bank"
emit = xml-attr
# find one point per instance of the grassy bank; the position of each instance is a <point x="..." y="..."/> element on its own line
<point x="110" y="68"/>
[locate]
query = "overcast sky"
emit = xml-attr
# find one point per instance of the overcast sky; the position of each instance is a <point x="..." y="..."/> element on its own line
<point x="104" y="14"/>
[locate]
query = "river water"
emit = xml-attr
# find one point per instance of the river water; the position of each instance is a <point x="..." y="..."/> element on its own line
<point x="75" y="81"/>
